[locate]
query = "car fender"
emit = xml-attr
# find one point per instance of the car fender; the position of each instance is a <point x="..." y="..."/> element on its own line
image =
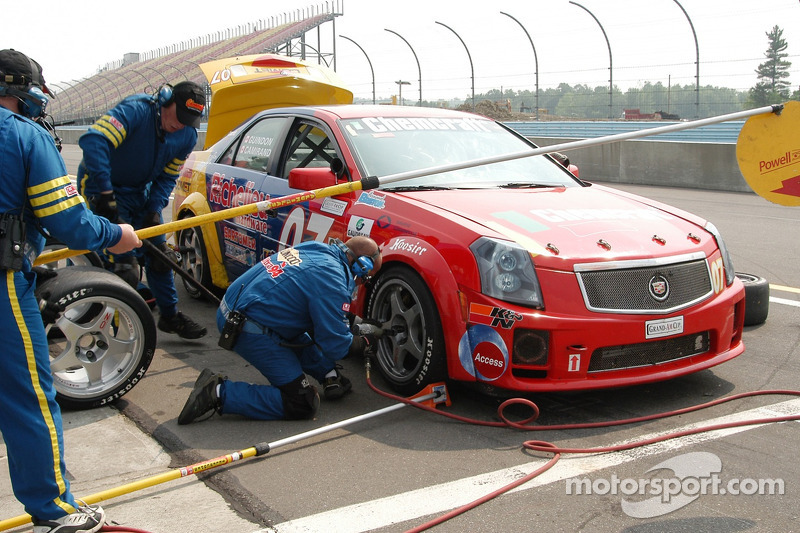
<point x="197" y="205"/>
<point x="435" y="271"/>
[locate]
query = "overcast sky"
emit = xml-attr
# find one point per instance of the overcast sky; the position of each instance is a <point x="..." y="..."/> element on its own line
<point x="650" y="40"/>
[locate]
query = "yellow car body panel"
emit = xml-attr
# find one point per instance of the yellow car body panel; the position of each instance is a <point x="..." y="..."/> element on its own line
<point x="243" y="86"/>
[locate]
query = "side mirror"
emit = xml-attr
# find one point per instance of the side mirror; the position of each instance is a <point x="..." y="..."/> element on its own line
<point x="574" y="170"/>
<point x="310" y="178"/>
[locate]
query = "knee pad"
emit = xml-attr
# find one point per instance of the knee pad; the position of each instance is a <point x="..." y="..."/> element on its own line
<point x="300" y="399"/>
<point x="128" y="269"/>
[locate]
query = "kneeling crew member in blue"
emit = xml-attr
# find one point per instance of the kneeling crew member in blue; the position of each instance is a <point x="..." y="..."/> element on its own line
<point x="37" y="196"/>
<point x="275" y="306"/>
<point x="131" y="159"/>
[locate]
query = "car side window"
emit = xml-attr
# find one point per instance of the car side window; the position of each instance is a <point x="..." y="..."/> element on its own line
<point x="256" y="146"/>
<point x="308" y="146"/>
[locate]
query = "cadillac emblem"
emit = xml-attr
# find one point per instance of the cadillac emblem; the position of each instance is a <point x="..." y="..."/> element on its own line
<point x="658" y="287"/>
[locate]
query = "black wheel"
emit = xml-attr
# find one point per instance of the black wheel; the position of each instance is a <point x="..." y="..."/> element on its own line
<point x="87" y="259"/>
<point x="415" y="357"/>
<point x="194" y="260"/>
<point x="103" y="341"/>
<point x="756" y="299"/>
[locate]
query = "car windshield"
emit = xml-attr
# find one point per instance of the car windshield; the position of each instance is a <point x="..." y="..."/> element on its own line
<point x="389" y="145"/>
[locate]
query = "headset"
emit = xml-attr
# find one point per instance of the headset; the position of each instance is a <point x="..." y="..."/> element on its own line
<point x="164" y="96"/>
<point x="32" y="99"/>
<point x="362" y="265"/>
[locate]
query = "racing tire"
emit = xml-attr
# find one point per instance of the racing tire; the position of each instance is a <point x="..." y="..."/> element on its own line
<point x="194" y="260"/>
<point x="103" y="340"/>
<point x="414" y="357"/>
<point x="756" y="298"/>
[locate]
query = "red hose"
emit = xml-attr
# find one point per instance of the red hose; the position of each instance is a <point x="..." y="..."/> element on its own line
<point x="543" y="446"/>
<point x="122" y="529"/>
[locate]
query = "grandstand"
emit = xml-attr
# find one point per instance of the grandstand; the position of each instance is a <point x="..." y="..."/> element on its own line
<point x="83" y="101"/>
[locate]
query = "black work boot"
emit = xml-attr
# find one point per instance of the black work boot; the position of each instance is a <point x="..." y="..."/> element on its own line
<point x="203" y="398"/>
<point x="336" y="386"/>
<point x="185" y="327"/>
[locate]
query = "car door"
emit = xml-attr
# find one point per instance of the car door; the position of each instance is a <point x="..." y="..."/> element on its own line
<point x="240" y="176"/>
<point x="310" y="144"/>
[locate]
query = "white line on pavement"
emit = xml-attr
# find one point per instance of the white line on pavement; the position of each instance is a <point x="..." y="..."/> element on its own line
<point x="438" y="499"/>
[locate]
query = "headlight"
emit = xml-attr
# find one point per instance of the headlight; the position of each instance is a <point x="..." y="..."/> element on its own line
<point x="727" y="262"/>
<point x="507" y="272"/>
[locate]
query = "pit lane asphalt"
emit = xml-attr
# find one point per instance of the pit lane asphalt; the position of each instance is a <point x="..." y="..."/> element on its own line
<point x="396" y="471"/>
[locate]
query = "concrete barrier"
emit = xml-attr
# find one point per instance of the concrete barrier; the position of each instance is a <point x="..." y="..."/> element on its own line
<point x="660" y="163"/>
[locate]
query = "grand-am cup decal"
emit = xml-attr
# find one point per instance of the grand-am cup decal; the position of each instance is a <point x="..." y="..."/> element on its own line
<point x="372" y="199"/>
<point x="359" y="227"/>
<point x="492" y="316"/>
<point x="482" y="353"/>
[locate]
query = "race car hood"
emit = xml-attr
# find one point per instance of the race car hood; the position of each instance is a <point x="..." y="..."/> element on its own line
<point x="244" y="85"/>
<point x="585" y="224"/>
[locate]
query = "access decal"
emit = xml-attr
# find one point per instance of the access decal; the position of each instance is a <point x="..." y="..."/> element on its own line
<point x="483" y="353"/>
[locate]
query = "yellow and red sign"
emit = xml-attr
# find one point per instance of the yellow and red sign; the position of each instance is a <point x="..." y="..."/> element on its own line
<point x="768" y="151"/>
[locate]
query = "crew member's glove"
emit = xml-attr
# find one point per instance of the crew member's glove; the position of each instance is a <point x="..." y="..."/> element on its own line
<point x="152" y="218"/>
<point x="158" y="264"/>
<point x="363" y="344"/>
<point x="105" y="205"/>
<point x="50" y="310"/>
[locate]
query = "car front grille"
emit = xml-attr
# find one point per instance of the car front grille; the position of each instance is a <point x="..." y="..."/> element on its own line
<point x="648" y="353"/>
<point x="632" y="286"/>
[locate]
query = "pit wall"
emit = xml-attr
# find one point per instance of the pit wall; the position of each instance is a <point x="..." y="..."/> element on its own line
<point x="659" y="163"/>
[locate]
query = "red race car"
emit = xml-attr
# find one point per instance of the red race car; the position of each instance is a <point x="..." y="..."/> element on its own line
<point x="515" y="275"/>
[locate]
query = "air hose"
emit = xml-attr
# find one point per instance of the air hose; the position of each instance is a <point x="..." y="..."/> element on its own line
<point x="544" y="446"/>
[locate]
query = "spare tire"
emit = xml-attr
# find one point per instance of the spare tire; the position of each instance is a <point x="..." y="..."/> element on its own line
<point x="756" y="298"/>
<point x="103" y="338"/>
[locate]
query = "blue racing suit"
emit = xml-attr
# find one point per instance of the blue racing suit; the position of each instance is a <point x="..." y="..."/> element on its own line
<point x="126" y="151"/>
<point x="285" y="297"/>
<point x="36" y="184"/>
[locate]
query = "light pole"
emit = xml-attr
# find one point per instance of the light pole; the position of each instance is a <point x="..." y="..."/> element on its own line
<point x="119" y="93"/>
<point x="471" y="68"/>
<point x="610" y="62"/>
<point x="417" y="60"/>
<point x="368" y="61"/>
<point x="697" y="63"/>
<point x="535" y="58"/>
<point x="65" y="93"/>
<point x="400" y="84"/>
